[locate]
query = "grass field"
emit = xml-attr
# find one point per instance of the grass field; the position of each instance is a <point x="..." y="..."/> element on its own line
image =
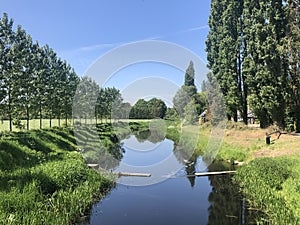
<point x="35" y="123"/>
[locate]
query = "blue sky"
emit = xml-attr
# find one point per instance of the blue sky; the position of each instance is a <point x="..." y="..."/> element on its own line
<point x="82" y="31"/>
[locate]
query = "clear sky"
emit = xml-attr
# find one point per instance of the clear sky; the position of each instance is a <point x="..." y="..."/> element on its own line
<point x="82" y="31"/>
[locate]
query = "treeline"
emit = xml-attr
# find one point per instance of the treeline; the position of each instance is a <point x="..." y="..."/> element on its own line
<point x="36" y="84"/>
<point x="154" y="108"/>
<point x="34" y="81"/>
<point x="253" y="50"/>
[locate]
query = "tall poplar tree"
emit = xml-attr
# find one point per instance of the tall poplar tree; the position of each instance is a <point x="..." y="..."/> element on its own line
<point x="291" y="50"/>
<point x="225" y="46"/>
<point x="264" y="66"/>
<point x="6" y="63"/>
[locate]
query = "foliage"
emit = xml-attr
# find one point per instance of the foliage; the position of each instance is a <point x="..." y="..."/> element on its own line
<point x="154" y="108"/>
<point x="35" y="83"/>
<point x="190" y="113"/>
<point x="171" y="114"/>
<point x="43" y="180"/>
<point x="271" y="185"/>
<point x="253" y="52"/>
<point x="188" y="94"/>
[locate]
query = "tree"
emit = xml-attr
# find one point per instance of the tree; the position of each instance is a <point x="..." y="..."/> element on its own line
<point x="84" y="104"/>
<point x="265" y="69"/>
<point x="24" y="66"/>
<point x="189" y="76"/>
<point x="140" y="110"/>
<point x="7" y="79"/>
<point x="34" y="83"/>
<point x="224" y="46"/>
<point x="291" y="51"/>
<point x="113" y="101"/>
<point x="187" y="92"/>
<point x="243" y="52"/>
<point x="157" y="108"/>
<point x="154" y="108"/>
<point x="190" y="113"/>
<point x="171" y="114"/>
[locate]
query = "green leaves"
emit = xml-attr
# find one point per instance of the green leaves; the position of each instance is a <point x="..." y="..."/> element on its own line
<point x="244" y="52"/>
<point x="34" y="82"/>
<point x="154" y="108"/>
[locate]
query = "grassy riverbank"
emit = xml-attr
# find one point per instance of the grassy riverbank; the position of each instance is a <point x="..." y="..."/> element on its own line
<point x="271" y="179"/>
<point x="272" y="186"/>
<point x="44" y="180"/>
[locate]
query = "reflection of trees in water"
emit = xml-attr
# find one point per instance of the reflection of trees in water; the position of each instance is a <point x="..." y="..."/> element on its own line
<point x="104" y="150"/>
<point x="226" y="205"/>
<point x="190" y="168"/>
<point x="146" y="135"/>
<point x="226" y="201"/>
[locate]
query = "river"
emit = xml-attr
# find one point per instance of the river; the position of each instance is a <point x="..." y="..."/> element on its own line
<point x="168" y="196"/>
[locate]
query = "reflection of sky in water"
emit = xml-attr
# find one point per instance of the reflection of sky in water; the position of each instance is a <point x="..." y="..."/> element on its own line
<point x="146" y="153"/>
<point x="156" y="159"/>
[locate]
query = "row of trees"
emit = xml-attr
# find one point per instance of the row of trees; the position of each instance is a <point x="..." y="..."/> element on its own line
<point x="34" y="82"/>
<point x="253" y="52"/>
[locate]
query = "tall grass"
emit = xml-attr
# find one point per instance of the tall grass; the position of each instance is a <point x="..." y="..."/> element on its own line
<point x="43" y="179"/>
<point x="271" y="185"/>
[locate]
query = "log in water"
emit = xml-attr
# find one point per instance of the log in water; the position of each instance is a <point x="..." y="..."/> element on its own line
<point x="127" y="174"/>
<point x="214" y="173"/>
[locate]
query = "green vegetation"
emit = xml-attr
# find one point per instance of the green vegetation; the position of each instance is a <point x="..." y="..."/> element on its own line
<point x="272" y="185"/>
<point x="187" y="102"/>
<point x="152" y="109"/>
<point x="44" y="180"/>
<point x="253" y="52"/>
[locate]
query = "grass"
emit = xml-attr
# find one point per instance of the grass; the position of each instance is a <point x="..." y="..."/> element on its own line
<point x="270" y="179"/>
<point x="272" y="185"/>
<point x="44" y="180"/>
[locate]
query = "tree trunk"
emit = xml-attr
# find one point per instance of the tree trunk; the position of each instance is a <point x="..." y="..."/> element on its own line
<point x="235" y="117"/>
<point x="264" y="119"/>
<point x="41" y="117"/>
<point x="9" y="111"/>
<point x="27" y="117"/>
<point x="245" y="105"/>
<point x="66" y="119"/>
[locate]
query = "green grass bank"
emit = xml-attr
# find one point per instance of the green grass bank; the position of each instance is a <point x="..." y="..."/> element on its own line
<point x="44" y="180"/>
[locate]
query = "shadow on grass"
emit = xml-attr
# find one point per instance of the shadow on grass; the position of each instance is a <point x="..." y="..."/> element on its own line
<point x="12" y="156"/>
<point x="32" y="142"/>
<point x="67" y="136"/>
<point x="61" y="144"/>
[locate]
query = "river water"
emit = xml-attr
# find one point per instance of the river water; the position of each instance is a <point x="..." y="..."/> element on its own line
<point x="168" y="196"/>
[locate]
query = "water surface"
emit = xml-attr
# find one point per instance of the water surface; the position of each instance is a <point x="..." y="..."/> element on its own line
<point x="178" y="199"/>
